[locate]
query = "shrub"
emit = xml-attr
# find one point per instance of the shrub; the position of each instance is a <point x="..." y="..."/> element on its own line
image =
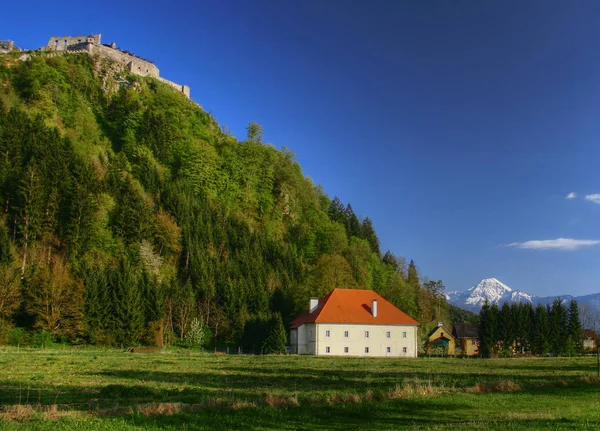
<point x="41" y="338"/>
<point x="18" y="337"/>
<point x="196" y="334"/>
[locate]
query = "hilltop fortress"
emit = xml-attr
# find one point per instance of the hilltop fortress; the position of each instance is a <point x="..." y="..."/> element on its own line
<point x="93" y="46"/>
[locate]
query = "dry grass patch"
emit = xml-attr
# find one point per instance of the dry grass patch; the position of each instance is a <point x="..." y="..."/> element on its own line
<point x="166" y="409"/>
<point x="502" y="386"/>
<point x="281" y="401"/>
<point x="344" y="398"/>
<point x="17" y="413"/>
<point x="242" y="404"/>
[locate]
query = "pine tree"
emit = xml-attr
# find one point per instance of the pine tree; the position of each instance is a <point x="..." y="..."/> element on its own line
<point x="542" y="331"/>
<point x="488" y="329"/>
<point x="413" y="275"/>
<point x="560" y="327"/>
<point x="127" y="305"/>
<point x="277" y="338"/>
<point x="575" y="331"/>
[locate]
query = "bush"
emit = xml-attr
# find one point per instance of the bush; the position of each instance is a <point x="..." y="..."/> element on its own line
<point x="42" y="339"/>
<point x="195" y="336"/>
<point x="18" y="337"/>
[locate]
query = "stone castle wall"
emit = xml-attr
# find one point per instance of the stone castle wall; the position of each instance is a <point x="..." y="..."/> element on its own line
<point x="181" y="88"/>
<point x="92" y="45"/>
<point x="7" y="46"/>
<point x="56" y="43"/>
<point x="135" y="65"/>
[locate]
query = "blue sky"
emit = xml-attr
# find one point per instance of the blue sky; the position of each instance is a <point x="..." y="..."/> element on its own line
<point x="459" y="127"/>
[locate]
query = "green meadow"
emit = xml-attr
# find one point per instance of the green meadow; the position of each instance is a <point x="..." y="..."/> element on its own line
<point x="84" y="389"/>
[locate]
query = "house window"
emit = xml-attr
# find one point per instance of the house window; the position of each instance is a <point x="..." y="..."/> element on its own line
<point x="404" y="350"/>
<point x="366" y="350"/>
<point x="327" y="349"/>
<point x="345" y="350"/>
<point x="310" y="334"/>
<point x="389" y="349"/>
<point x="472" y="342"/>
<point x="328" y="333"/>
<point x="366" y="334"/>
<point x="404" y="334"/>
<point x="56" y="44"/>
<point x="388" y="334"/>
<point x="441" y="334"/>
<point x="346" y="334"/>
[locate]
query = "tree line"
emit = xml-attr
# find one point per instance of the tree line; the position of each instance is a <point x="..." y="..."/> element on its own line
<point x="520" y="328"/>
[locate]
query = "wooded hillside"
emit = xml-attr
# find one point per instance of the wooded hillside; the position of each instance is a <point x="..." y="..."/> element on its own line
<point x="127" y="212"/>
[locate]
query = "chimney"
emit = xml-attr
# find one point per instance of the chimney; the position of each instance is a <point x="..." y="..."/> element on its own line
<point x="440" y="324"/>
<point x="374" y="307"/>
<point x="312" y="306"/>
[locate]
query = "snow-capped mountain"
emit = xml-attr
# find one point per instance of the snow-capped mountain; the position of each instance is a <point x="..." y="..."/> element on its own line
<point x="497" y="292"/>
<point x="491" y="289"/>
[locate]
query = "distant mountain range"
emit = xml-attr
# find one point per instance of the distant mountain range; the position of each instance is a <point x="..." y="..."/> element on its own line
<point x="497" y="292"/>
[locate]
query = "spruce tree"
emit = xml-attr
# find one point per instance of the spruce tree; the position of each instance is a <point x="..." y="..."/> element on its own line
<point x="488" y="328"/>
<point x="575" y="331"/>
<point x="542" y="332"/>
<point x="560" y="327"/>
<point x="277" y="339"/>
<point x="506" y="330"/>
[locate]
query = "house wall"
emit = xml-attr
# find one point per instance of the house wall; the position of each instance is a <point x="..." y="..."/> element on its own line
<point x="446" y="334"/>
<point x="306" y="339"/>
<point x="377" y="342"/>
<point x="589" y="344"/>
<point x="470" y="346"/>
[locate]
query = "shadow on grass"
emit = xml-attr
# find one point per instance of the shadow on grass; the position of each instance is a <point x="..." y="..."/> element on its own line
<point x="307" y="379"/>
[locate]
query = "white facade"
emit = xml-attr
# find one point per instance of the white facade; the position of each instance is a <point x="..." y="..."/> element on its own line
<point x="340" y="339"/>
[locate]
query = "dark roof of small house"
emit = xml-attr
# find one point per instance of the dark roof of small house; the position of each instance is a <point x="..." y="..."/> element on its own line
<point x="590" y="333"/>
<point x="466" y="330"/>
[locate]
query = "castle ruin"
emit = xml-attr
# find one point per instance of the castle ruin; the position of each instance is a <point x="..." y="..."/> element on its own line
<point x="7" y="46"/>
<point x="93" y="46"/>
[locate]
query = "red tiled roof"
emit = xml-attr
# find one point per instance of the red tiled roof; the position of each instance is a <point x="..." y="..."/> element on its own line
<point x="353" y="306"/>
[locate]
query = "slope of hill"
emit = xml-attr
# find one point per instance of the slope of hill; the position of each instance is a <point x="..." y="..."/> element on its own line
<point x="127" y="213"/>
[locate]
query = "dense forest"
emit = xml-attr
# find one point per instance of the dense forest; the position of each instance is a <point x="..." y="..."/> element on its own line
<point x="521" y="328"/>
<point x="129" y="216"/>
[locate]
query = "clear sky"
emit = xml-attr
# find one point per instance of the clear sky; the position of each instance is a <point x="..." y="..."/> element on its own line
<point x="459" y="127"/>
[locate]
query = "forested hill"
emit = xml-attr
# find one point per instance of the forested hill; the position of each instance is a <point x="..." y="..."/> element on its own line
<point x="129" y="216"/>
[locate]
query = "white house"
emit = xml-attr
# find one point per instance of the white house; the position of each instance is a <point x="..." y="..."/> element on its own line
<point x="353" y="322"/>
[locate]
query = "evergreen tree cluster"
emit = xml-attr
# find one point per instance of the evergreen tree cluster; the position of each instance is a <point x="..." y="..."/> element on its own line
<point x="130" y="216"/>
<point x="520" y="328"/>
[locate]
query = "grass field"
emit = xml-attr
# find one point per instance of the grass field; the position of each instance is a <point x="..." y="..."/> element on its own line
<point x="74" y="389"/>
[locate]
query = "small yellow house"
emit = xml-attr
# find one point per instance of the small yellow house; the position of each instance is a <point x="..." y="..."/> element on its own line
<point x="467" y="338"/>
<point x="441" y="341"/>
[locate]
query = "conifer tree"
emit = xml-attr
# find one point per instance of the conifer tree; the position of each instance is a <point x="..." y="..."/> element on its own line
<point x="488" y="329"/>
<point x="413" y="275"/>
<point x="560" y="327"/>
<point x="127" y="320"/>
<point x="277" y="337"/>
<point x="575" y="331"/>
<point x="542" y="331"/>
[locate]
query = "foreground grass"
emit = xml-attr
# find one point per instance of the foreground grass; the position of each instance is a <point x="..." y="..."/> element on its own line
<point x="93" y="389"/>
